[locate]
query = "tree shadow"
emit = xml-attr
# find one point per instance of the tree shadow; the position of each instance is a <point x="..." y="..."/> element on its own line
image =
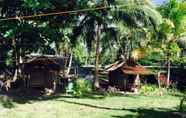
<point x="29" y="96"/>
<point x="90" y="105"/>
<point x="138" y="112"/>
<point x="23" y="96"/>
<point x="152" y="113"/>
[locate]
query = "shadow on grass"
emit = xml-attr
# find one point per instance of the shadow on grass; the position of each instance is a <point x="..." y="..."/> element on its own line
<point x="22" y="96"/>
<point x="138" y="112"/>
<point x="29" y="96"/>
<point x="90" y="105"/>
<point x="152" y="113"/>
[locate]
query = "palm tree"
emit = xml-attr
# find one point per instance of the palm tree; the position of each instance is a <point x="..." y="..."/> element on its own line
<point x="92" y="26"/>
<point x="137" y="20"/>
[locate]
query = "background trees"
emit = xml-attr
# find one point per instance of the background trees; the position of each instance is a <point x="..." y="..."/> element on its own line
<point x="126" y="28"/>
<point x="171" y="29"/>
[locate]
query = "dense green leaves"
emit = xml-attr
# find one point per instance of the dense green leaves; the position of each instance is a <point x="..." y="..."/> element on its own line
<point x="125" y="25"/>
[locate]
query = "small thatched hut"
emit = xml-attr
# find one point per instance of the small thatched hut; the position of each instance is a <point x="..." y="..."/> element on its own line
<point x="42" y="71"/>
<point x="126" y="76"/>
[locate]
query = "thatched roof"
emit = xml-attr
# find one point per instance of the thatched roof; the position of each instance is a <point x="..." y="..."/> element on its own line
<point x="114" y="66"/>
<point x="130" y="67"/>
<point x="44" y="62"/>
<point x="134" y="70"/>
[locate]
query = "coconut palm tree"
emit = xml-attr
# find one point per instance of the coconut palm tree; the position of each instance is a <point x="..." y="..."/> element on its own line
<point x="139" y="19"/>
<point x="91" y="26"/>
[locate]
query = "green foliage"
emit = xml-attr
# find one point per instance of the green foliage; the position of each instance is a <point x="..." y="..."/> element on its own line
<point x="37" y="4"/>
<point x="8" y="61"/>
<point x="153" y="57"/>
<point x="154" y="90"/>
<point x="174" y="51"/>
<point x="173" y="26"/>
<point x="149" y="90"/>
<point x="108" y="56"/>
<point x="82" y="87"/>
<point x="6" y="102"/>
<point x="175" y="11"/>
<point x="136" y="23"/>
<point x="81" y="53"/>
<point x="182" y="60"/>
<point x="132" y="23"/>
<point x="174" y="91"/>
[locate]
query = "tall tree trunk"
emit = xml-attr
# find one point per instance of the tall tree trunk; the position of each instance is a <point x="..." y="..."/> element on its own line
<point x="96" y="79"/>
<point x="20" y="58"/>
<point x="16" y="58"/>
<point x="168" y="61"/>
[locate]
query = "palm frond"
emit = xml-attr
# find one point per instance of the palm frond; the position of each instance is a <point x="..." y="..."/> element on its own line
<point x="138" y="14"/>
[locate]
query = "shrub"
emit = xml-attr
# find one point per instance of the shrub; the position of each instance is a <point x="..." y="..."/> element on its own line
<point x="155" y="90"/>
<point x="112" y="91"/>
<point x="6" y="102"/>
<point x="149" y="90"/>
<point x="82" y="87"/>
<point x="172" y="90"/>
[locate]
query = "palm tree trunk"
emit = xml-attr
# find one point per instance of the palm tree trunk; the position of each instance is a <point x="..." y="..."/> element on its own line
<point x="96" y="79"/>
<point x="16" y="58"/>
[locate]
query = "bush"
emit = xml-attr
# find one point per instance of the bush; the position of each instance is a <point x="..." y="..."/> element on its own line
<point x="155" y="90"/>
<point x="112" y="91"/>
<point x="149" y="90"/>
<point x="6" y="102"/>
<point x="82" y="87"/>
<point x="172" y="90"/>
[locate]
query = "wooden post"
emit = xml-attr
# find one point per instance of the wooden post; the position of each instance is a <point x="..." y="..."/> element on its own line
<point x="125" y="84"/>
<point x="168" y="72"/>
<point x="137" y="83"/>
<point x="158" y="78"/>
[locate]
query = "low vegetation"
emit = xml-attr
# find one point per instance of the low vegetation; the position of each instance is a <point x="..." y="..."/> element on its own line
<point x="82" y="88"/>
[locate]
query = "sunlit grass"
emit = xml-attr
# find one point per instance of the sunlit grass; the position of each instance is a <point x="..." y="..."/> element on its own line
<point x="101" y="107"/>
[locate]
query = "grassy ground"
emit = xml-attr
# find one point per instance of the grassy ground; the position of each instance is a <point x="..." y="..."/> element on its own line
<point x="96" y="107"/>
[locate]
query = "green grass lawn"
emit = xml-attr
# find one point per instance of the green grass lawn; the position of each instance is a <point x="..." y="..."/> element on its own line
<point x="100" y="107"/>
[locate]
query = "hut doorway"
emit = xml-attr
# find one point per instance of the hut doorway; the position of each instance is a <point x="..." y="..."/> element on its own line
<point x="41" y="79"/>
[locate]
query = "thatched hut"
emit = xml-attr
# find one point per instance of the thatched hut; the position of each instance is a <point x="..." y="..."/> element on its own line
<point x="41" y="72"/>
<point x="126" y="76"/>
